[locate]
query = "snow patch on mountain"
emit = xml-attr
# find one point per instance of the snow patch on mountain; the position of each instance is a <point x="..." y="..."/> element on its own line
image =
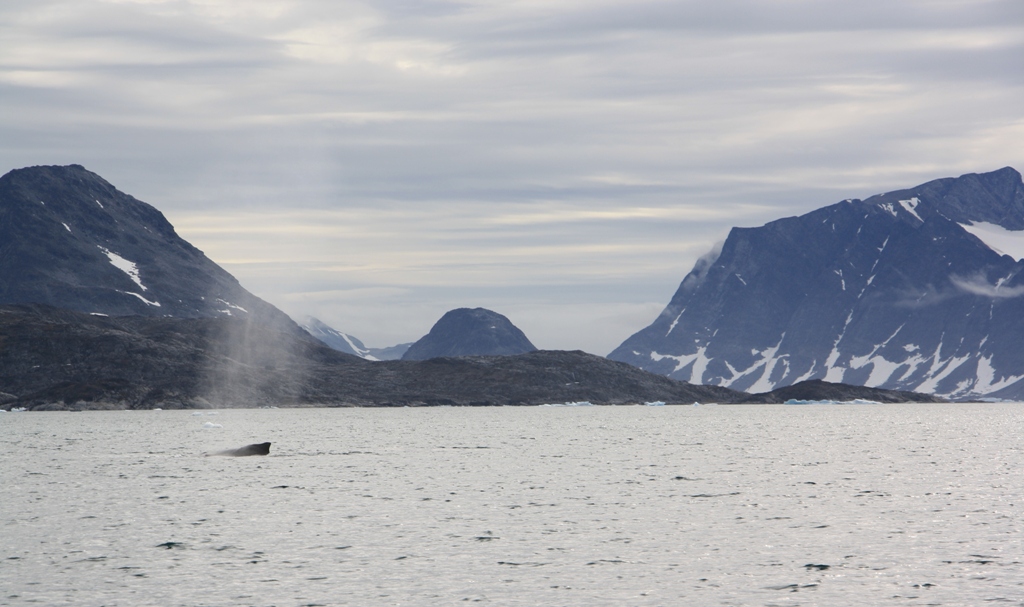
<point x="998" y="238"/>
<point x="230" y="306"/>
<point x="144" y="300"/>
<point x="336" y="339"/>
<point x="911" y="207"/>
<point x="675" y="322"/>
<point x="698" y="360"/>
<point x="124" y="265"/>
<point x="769" y="360"/>
<point x="986" y="377"/>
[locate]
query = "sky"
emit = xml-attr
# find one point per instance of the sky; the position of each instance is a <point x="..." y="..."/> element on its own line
<point x="562" y="162"/>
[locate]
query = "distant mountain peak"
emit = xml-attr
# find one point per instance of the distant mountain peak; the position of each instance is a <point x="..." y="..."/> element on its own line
<point x="337" y="340"/>
<point x="470" y="332"/>
<point x="349" y="344"/>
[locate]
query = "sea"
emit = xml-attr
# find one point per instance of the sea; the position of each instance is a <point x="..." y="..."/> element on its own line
<point x="874" y="505"/>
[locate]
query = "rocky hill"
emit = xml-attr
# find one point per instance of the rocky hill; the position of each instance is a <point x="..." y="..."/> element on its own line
<point x="470" y="332"/>
<point x="919" y="289"/>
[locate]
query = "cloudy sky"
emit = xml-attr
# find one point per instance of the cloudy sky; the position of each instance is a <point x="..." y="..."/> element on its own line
<point x="563" y="162"/>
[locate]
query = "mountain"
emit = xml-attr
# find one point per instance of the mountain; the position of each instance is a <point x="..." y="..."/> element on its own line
<point x="342" y="342"/>
<point x="470" y="332"/>
<point x="70" y="239"/>
<point x="919" y="289"/>
<point x="60" y="359"/>
<point x="349" y="344"/>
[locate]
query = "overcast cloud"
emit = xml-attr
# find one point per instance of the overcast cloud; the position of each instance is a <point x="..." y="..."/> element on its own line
<point x="564" y="163"/>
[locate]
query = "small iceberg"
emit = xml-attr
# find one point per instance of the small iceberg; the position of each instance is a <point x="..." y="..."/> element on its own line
<point x="212" y="425"/>
<point x="656" y="403"/>
<point x="582" y="403"/>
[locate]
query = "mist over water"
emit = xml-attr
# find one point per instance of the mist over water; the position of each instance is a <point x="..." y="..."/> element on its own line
<point x="751" y="505"/>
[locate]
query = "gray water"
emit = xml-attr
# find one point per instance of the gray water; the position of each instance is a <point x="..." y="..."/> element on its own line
<point x="754" y="505"/>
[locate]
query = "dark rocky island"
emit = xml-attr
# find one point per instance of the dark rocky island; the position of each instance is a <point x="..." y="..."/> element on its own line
<point x="818" y="390"/>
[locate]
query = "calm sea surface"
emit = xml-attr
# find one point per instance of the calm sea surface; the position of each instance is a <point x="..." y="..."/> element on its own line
<point x="754" y="505"/>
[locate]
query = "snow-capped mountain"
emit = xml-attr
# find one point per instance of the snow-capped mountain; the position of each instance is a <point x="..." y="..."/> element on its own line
<point x="342" y="342"/>
<point x="470" y="332"/>
<point x="350" y="344"/>
<point x="70" y="239"/>
<point x="919" y="289"/>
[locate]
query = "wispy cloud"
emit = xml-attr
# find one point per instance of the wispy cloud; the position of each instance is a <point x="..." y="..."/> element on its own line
<point x="979" y="285"/>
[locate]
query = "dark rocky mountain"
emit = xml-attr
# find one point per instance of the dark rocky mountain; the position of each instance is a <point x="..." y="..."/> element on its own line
<point x="470" y="332"/>
<point x="59" y="359"/>
<point x="70" y="239"/>
<point x="910" y="290"/>
<point x="349" y="344"/>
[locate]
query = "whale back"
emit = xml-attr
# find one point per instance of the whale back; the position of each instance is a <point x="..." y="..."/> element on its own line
<point x="255" y="449"/>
